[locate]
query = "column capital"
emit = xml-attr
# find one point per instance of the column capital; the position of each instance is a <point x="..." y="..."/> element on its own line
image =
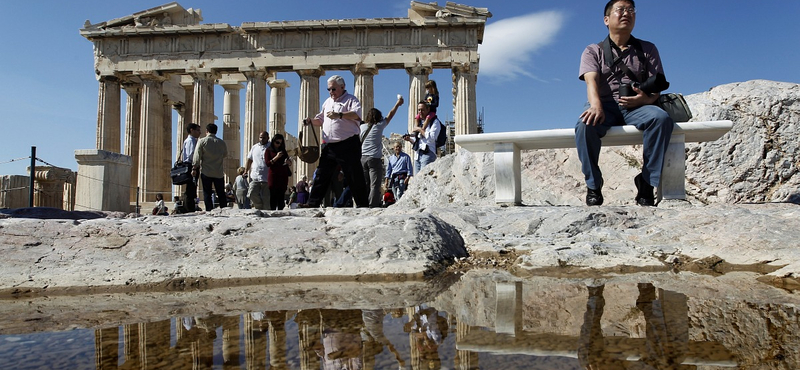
<point x="279" y="83"/>
<point x="310" y="72"/>
<point x="232" y="86"/>
<point x="262" y="74"/>
<point x="203" y="74"/>
<point x="108" y="78"/>
<point x="417" y="70"/>
<point x="151" y="76"/>
<point x="131" y="88"/>
<point x="468" y="68"/>
<point x="364" y="69"/>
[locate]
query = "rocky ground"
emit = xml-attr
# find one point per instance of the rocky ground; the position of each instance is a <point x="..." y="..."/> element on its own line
<point x="741" y="213"/>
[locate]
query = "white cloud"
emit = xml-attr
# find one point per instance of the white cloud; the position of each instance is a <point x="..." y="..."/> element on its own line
<point x="509" y="43"/>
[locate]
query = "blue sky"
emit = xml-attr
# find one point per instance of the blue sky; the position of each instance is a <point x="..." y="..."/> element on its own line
<point x="527" y="80"/>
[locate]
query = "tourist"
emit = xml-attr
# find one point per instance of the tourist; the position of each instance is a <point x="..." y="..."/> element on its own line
<point x="187" y="155"/>
<point x="372" y="149"/>
<point x="292" y="197"/>
<point x="230" y="196"/>
<point x="256" y="166"/>
<point x="388" y="198"/>
<point x="424" y="141"/>
<point x="398" y="172"/>
<point x="302" y="190"/>
<point x="208" y="158"/>
<point x="616" y="99"/>
<point x="177" y="206"/>
<point x="240" y="186"/>
<point x="278" y="162"/>
<point x="341" y="146"/>
<point x="432" y="98"/>
<point x="160" y="208"/>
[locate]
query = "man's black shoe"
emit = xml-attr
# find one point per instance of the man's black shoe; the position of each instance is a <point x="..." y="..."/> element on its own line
<point x="644" y="192"/>
<point x="594" y="197"/>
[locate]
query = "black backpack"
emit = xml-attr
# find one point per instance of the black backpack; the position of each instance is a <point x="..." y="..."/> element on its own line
<point x="441" y="140"/>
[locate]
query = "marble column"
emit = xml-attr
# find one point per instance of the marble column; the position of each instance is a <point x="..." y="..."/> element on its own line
<point x="187" y="82"/>
<point x="203" y="99"/>
<point x="277" y="107"/>
<point x="364" y="88"/>
<point x="255" y="343"/>
<point x="309" y="107"/>
<point x="466" y="112"/>
<point x="106" y="348"/>
<point x="133" y="122"/>
<point x="464" y="360"/>
<point x="108" y="112"/>
<point x="418" y="76"/>
<point x="179" y="108"/>
<point x="255" y="109"/>
<point x="165" y="149"/>
<point x="151" y="171"/>
<point x="231" y="343"/>
<point x="230" y="130"/>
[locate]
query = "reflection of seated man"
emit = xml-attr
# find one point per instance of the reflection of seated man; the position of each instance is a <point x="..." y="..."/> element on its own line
<point x="341" y="339"/>
<point x="428" y="331"/>
<point x="592" y="353"/>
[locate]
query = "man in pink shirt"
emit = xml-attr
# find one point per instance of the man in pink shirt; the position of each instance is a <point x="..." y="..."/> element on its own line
<point x="340" y="119"/>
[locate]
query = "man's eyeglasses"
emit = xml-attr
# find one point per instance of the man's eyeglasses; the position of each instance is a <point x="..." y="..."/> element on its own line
<point x="620" y="10"/>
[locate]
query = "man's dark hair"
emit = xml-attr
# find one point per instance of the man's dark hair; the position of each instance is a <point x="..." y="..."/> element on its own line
<point x="191" y="127"/>
<point x="611" y="3"/>
<point x="212" y="128"/>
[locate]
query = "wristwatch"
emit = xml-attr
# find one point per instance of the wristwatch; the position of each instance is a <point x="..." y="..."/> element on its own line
<point x="341" y="115"/>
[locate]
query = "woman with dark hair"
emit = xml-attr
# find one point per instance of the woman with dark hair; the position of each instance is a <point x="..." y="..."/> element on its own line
<point x="372" y="150"/>
<point x="278" y="164"/>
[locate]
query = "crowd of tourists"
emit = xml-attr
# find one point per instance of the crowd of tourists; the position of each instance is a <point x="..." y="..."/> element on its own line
<point x="351" y="170"/>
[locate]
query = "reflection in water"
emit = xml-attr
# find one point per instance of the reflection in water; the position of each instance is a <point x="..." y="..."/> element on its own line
<point x="621" y="326"/>
<point x="666" y="339"/>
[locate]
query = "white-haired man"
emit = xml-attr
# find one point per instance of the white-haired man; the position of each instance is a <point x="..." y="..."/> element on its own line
<point x="340" y="119"/>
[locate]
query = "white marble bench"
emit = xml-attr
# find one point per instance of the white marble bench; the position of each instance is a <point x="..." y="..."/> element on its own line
<point x="507" y="146"/>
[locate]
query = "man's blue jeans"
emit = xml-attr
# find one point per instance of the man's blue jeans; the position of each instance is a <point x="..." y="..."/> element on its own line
<point x="398" y="187"/>
<point x="656" y="127"/>
<point x="423" y="159"/>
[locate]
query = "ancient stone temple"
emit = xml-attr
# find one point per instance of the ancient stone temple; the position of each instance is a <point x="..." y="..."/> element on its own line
<point x="167" y="61"/>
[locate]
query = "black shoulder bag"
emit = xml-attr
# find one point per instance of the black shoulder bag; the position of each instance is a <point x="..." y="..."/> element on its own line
<point x="674" y="104"/>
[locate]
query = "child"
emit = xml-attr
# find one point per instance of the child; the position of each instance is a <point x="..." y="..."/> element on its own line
<point x="160" y="209"/>
<point x="388" y="198"/>
<point x="432" y="98"/>
<point x="178" y="205"/>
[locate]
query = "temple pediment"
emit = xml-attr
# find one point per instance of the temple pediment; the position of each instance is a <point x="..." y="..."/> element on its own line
<point x="424" y="11"/>
<point x="170" y="14"/>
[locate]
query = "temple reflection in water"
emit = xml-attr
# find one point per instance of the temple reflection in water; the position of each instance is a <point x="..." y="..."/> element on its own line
<point x="423" y="337"/>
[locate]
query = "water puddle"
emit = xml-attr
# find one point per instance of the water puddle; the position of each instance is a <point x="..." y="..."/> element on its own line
<point x="484" y="319"/>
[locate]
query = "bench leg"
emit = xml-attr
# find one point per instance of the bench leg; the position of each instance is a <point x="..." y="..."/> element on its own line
<point x="673" y="173"/>
<point x="507" y="174"/>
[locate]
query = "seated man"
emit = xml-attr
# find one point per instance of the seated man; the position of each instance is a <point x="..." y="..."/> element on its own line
<point x="615" y="99"/>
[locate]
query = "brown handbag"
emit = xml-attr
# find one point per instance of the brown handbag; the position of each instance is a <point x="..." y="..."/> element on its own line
<point x="309" y="154"/>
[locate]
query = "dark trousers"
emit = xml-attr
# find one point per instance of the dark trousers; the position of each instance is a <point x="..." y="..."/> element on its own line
<point x="656" y="127"/>
<point x="189" y="195"/>
<point x="219" y="188"/>
<point x="347" y="154"/>
<point x="276" y="198"/>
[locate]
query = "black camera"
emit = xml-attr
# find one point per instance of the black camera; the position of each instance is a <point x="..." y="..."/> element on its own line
<point x="655" y="84"/>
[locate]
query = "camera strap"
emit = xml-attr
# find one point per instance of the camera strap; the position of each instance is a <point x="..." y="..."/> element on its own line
<point x="610" y="61"/>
